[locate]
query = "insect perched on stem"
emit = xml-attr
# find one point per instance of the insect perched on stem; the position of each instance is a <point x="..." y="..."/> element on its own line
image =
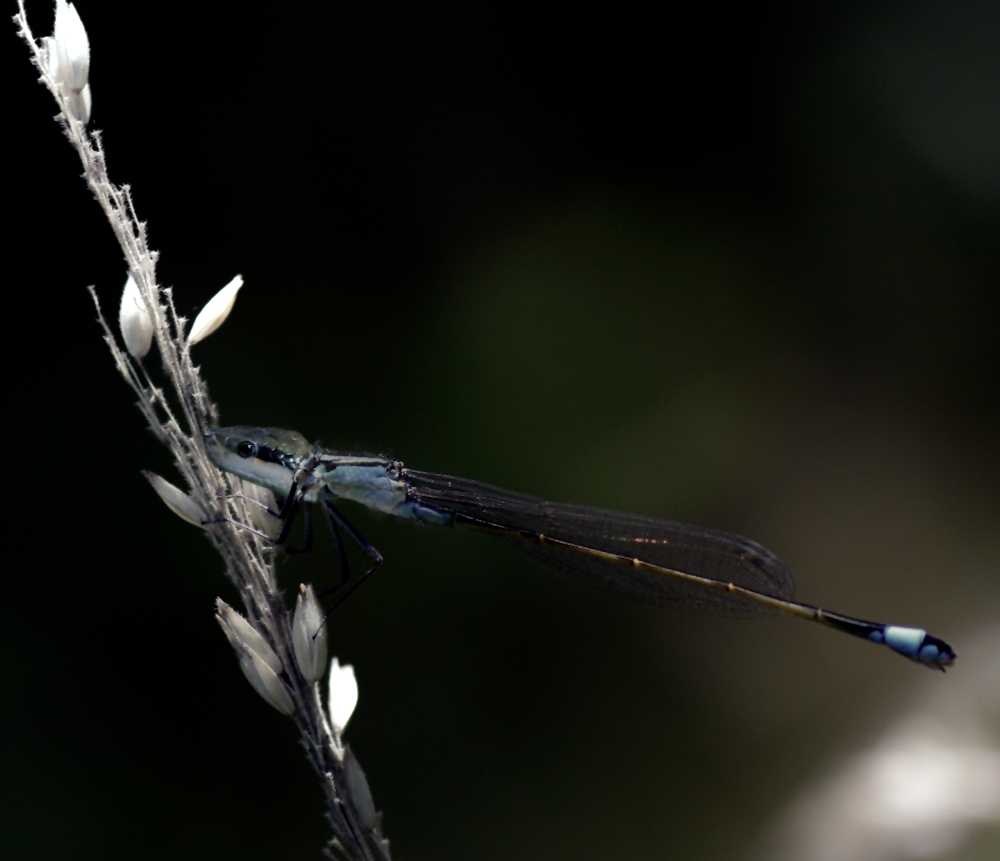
<point x="650" y="560"/>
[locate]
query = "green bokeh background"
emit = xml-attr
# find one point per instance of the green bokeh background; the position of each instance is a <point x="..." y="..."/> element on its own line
<point x="737" y="268"/>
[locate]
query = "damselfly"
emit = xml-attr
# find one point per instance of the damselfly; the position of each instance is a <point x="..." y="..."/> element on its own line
<point x="643" y="558"/>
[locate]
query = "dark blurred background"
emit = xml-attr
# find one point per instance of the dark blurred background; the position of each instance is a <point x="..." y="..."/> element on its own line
<point x="734" y="266"/>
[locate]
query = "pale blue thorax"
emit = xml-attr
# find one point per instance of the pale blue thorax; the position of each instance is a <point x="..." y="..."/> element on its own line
<point x="363" y="480"/>
<point x="372" y="482"/>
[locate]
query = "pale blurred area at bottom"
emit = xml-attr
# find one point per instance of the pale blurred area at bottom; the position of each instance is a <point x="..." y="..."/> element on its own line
<point x="929" y="787"/>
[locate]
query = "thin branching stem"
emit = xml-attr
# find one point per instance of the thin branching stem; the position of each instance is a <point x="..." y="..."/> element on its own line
<point x="179" y="418"/>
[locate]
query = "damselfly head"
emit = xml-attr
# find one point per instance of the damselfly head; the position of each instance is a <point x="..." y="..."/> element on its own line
<point x="265" y="456"/>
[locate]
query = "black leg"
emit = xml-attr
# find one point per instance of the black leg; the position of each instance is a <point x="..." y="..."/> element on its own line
<point x="307" y="544"/>
<point x="306" y="515"/>
<point x="300" y="479"/>
<point x="288" y="511"/>
<point x="291" y="503"/>
<point x="345" y="568"/>
<point x="287" y="514"/>
<point x="375" y="556"/>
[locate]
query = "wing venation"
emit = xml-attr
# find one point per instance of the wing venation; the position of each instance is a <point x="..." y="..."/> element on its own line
<point x="667" y="544"/>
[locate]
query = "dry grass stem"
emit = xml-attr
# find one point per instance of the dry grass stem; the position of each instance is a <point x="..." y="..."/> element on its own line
<point x="179" y="415"/>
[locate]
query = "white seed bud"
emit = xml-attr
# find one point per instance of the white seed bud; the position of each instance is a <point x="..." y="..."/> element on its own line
<point x="179" y="502"/>
<point x="74" y="46"/>
<point x="80" y="105"/>
<point x="246" y="634"/>
<point x="259" y="517"/>
<point x="257" y="659"/>
<point x="358" y="791"/>
<point x="68" y="52"/>
<point x="133" y="320"/>
<point x="343" y="694"/>
<point x="264" y="680"/>
<point x="215" y="312"/>
<point x="309" y="634"/>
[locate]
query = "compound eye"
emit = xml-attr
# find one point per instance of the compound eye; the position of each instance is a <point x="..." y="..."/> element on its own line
<point x="246" y="448"/>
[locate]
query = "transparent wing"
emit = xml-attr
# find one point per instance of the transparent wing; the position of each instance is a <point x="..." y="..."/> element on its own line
<point x="673" y="546"/>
